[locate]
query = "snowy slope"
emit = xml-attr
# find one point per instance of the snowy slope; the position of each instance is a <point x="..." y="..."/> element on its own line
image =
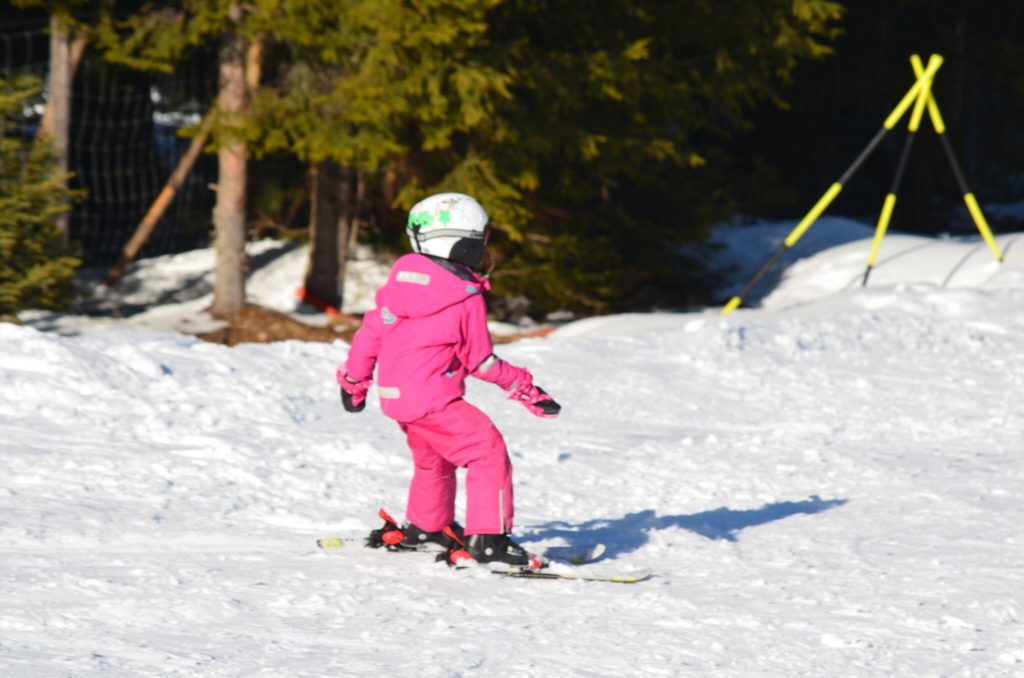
<point x="829" y="485"/>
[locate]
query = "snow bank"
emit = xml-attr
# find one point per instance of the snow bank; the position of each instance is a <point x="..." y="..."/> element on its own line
<point x="832" y="257"/>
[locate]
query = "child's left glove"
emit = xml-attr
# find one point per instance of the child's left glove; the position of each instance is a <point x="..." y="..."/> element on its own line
<point x="353" y="393"/>
<point x="534" y="398"/>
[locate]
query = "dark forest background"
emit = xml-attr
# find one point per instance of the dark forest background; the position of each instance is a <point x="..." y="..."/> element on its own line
<point x="604" y="137"/>
<point x="836" y="105"/>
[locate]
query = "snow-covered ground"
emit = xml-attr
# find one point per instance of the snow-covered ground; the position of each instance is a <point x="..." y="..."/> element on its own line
<point x="827" y="485"/>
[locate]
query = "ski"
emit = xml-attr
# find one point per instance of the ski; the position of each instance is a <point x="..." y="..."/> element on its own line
<point x="554" y="562"/>
<point x="564" y="560"/>
<point x="574" y="555"/>
<point x="629" y="577"/>
<point x="331" y="543"/>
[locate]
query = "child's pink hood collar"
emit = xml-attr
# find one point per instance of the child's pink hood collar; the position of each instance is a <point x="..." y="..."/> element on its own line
<point x="419" y="287"/>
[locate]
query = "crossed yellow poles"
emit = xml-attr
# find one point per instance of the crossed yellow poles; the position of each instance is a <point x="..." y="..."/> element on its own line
<point x="920" y="96"/>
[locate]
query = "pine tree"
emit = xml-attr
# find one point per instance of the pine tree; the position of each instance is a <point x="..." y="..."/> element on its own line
<point x="359" y="87"/>
<point x="36" y="268"/>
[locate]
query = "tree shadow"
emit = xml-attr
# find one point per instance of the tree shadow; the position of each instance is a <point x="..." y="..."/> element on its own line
<point x="632" y="530"/>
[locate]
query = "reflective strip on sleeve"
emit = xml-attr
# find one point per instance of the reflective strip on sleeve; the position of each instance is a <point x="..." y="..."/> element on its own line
<point x="488" y="363"/>
<point x="412" y="277"/>
<point x="389" y="392"/>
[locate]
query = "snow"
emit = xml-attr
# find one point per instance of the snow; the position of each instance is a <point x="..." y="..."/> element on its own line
<point x="832" y="257"/>
<point x="824" y="485"/>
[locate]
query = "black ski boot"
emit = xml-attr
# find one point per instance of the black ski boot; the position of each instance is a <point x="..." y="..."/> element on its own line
<point x="421" y="540"/>
<point x="411" y="538"/>
<point x="500" y="550"/>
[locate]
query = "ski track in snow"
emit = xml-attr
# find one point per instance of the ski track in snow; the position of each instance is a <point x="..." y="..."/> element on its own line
<point x="826" y="489"/>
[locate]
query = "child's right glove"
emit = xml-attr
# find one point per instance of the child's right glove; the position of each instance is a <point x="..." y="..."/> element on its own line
<point x="535" y="400"/>
<point x="353" y="394"/>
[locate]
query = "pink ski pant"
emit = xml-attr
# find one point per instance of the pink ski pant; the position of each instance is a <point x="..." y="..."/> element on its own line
<point x="460" y="435"/>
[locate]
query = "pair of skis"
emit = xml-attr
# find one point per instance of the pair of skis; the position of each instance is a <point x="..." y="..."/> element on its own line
<point x="560" y="562"/>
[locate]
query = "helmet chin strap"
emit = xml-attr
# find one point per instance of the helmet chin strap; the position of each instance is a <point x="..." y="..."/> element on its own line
<point x="416" y="238"/>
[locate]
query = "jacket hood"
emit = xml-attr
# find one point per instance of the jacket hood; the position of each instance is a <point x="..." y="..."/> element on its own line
<point x="419" y="286"/>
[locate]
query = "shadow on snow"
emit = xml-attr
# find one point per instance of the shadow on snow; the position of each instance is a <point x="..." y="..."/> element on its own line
<point x="631" y="531"/>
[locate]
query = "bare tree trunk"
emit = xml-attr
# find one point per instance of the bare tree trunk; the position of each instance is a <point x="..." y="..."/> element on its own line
<point x="79" y="41"/>
<point x="58" y="125"/>
<point x="229" y="211"/>
<point x="330" y="223"/>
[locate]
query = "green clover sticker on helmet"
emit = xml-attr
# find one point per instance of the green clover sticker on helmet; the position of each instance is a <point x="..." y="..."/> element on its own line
<point x="420" y="219"/>
<point x="448" y="225"/>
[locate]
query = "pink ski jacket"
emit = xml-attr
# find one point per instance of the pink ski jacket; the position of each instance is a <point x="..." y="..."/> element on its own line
<point x="427" y="333"/>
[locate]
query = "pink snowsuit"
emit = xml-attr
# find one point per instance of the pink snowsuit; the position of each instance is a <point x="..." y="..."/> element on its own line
<point x="427" y="333"/>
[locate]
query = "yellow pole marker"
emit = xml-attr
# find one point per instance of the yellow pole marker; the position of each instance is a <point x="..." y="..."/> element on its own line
<point x="733" y="304"/>
<point x="923" y="81"/>
<point x="979" y="221"/>
<point x="933" y="108"/>
<point x="813" y="215"/>
<point x="972" y="204"/>
<point x="919" y="93"/>
<point x="923" y="96"/>
<point x="926" y="76"/>
<point x="883" y="226"/>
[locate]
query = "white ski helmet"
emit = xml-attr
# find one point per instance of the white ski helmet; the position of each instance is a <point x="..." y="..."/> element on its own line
<point x="449" y="225"/>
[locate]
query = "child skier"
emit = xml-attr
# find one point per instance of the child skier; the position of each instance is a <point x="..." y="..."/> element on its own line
<point x="427" y="333"/>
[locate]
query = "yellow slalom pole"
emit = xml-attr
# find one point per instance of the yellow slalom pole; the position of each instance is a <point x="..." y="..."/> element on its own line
<point x="923" y="96"/>
<point x="834" y="190"/>
<point x="969" y="199"/>
<point x="813" y="215"/>
<point x="880" y="229"/>
<point x="924" y="79"/>
<point x="979" y="221"/>
<point x="933" y="108"/>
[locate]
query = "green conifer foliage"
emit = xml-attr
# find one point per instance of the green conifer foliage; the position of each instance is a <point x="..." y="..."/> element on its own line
<point x="593" y="131"/>
<point x="614" y="132"/>
<point x="36" y="268"/>
<point x="367" y="81"/>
